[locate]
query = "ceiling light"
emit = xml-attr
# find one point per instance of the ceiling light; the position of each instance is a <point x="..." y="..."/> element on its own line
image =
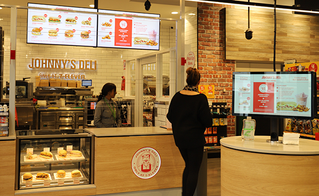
<point x="92" y="5"/>
<point x="0" y="8"/>
<point x="174" y="13"/>
<point x="191" y="14"/>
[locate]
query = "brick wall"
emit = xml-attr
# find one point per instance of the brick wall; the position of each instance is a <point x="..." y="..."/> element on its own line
<point x="213" y="67"/>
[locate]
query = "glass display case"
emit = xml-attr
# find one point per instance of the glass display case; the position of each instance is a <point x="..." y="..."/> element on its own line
<point x="48" y="160"/>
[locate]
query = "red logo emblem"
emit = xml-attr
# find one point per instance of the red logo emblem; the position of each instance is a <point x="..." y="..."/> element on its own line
<point x="146" y="162"/>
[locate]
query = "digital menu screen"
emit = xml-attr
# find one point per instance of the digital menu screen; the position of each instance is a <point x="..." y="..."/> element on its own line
<point x="61" y="27"/>
<point x="132" y="32"/>
<point x="285" y="94"/>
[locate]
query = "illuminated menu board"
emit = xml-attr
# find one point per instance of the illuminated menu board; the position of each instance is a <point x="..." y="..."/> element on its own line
<point x="61" y="27"/>
<point x="128" y="31"/>
<point x="285" y="94"/>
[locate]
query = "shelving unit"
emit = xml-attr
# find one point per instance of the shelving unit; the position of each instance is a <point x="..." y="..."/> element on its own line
<point x="217" y="131"/>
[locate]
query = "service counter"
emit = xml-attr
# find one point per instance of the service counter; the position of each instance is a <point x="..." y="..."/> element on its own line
<point x="121" y="152"/>
<point x="260" y="168"/>
<point x="125" y="159"/>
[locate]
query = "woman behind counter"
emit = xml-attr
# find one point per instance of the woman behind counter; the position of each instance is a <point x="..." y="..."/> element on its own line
<point x="106" y="112"/>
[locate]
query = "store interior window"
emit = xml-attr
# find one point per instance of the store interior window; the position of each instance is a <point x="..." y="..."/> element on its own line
<point x="149" y="93"/>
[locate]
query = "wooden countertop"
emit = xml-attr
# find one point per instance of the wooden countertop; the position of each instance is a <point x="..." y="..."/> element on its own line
<point x="7" y="138"/>
<point x="128" y="131"/>
<point x="259" y="144"/>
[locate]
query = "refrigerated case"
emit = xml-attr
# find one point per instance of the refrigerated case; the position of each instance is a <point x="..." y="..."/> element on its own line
<point x="30" y="146"/>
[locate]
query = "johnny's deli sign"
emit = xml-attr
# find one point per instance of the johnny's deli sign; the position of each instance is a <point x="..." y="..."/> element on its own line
<point x="62" y="64"/>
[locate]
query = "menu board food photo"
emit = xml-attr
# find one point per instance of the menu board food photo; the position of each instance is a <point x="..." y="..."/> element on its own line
<point x="61" y="27"/>
<point x="129" y="31"/>
<point x="282" y="94"/>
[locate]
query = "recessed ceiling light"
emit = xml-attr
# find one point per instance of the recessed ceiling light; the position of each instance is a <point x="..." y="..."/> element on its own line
<point x="0" y="8"/>
<point x="174" y="13"/>
<point x="92" y="5"/>
<point x="191" y="14"/>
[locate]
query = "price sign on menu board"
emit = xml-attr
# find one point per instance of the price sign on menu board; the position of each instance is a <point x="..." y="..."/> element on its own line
<point x="61" y="27"/>
<point x="116" y="31"/>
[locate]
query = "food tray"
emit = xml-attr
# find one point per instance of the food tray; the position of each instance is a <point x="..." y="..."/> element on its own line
<point x="69" y="158"/>
<point x="68" y="176"/>
<point x="34" y="179"/>
<point x="36" y="158"/>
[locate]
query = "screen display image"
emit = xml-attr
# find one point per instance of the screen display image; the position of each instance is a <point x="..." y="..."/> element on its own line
<point x="86" y="83"/>
<point x="129" y="31"/>
<point x="281" y="94"/>
<point x="61" y="27"/>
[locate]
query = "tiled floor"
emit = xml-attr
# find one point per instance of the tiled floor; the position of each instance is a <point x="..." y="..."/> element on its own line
<point x="213" y="177"/>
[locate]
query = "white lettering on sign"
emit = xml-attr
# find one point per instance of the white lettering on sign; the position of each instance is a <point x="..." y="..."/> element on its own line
<point x="190" y="59"/>
<point x="62" y="64"/>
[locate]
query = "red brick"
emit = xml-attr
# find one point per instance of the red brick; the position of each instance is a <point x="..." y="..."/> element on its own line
<point x="211" y="56"/>
<point x="208" y="68"/>
<point x="209" y="12"/>
<point x="203" y="15"/>
<point x="227" y="68"/>
<point x="201" y="31"/>
<point x="204" y="23"/>
<point x="224" y="85"/>
<point x="201" y="56"/>
<point x="202" y="64"/>
<point x="201" y="39"/>
<point x="211" y="40"/>
<point x="221" y="72"/>
<point x="221" y="80"/>
<point x="208" y="27"/>
<point x="201" y="48"/>
<point x="203" y="80"/>
<point x="212" y="72"/>
<point x="200" y="26"/>
<point x="207" y="60"/>
<point x="212" y="64"/>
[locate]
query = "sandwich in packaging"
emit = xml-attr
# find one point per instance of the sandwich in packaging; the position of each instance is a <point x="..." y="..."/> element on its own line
<point x="76" y="173"/>
<point x="27" y="177"/>
<point x="46" y="155"/>
<point x="61" y="174"/>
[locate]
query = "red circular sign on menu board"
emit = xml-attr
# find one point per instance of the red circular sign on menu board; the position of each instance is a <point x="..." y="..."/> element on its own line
<point x="57" y="29"/>
<point x="313" y="67"/>
<point x="89" y="19"/>
<point x="76" y="18"/>
<point x="45" y="15"/>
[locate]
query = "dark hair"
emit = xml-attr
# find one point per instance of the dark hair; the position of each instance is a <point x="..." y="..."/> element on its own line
<point x="193" y="76"/>
<point x="108" y="87"/>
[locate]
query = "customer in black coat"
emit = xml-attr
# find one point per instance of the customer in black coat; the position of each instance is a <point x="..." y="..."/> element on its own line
<point x="190" y="115"/>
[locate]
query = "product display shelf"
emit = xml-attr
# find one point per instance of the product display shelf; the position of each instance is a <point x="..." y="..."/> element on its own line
<point x="33" y="145"/>
<point x="53" y="180"/>
<point x="216" y="132"/>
